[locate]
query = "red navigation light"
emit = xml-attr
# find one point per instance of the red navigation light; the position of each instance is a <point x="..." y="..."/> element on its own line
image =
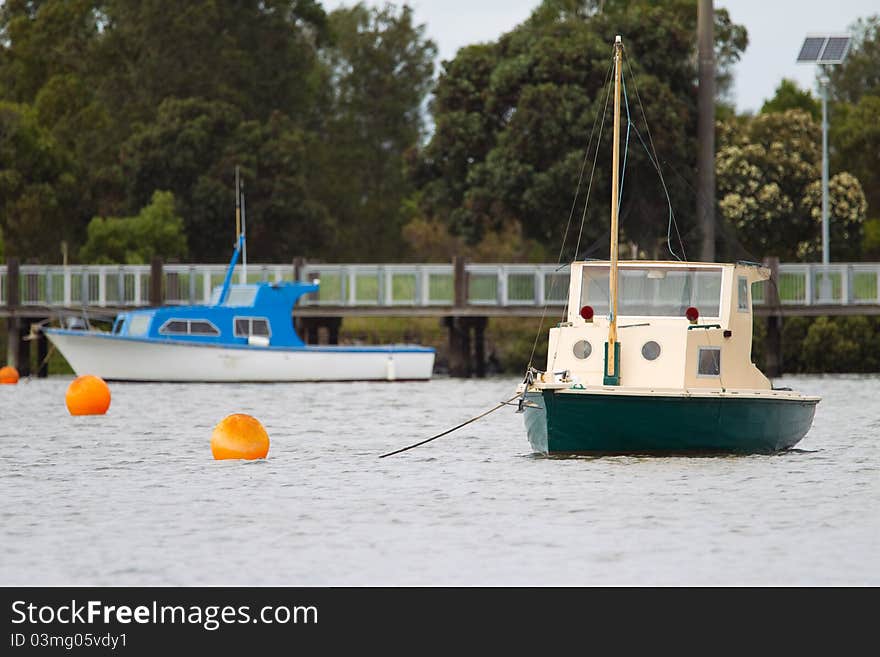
<point x="692" y="314"/>
<point x="587" y="313"/>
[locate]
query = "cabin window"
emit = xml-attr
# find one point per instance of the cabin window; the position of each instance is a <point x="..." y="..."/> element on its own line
<point x="651" y="350"/>
<point x="139" y="324"/>
<point x="178" y="326"/>
<point x="742" y="297"/>
<point x="248" y="326"/>
<point x="241" y="296"/>
<point x="199" y="327"/>
<point x="188" y="327"/>
<point x="582" y="349"/>
<point x="654" y="291"/>
<point x="709" y="361"/>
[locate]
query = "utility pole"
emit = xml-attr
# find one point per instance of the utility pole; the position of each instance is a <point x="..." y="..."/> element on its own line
<point x="706" y="128"/>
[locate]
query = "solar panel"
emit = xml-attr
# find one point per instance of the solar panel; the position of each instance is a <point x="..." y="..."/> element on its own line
<point x="811" y="49"/>
<point x="834" y="50"/>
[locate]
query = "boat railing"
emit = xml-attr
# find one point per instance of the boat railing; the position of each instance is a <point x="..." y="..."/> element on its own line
<point x="386" y="285"/>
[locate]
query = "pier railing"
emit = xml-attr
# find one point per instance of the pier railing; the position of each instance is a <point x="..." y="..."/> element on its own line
<point x="393" y="285"/>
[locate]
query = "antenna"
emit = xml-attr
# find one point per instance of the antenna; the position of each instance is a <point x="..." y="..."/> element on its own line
<point x="237" y="206"/>
<point x="243" y="280"/>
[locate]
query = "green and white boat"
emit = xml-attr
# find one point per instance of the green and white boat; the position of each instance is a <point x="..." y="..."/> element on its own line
<point x="655" y="357"/>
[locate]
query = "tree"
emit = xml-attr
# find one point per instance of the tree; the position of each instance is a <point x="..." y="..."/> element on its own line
<point x="514" y="117"/>
<point x="767" y="172"/>
<point x="789" y="96"/>
<point x="380" y="68"/>
<point x="157" y="230"/>
<point x="855" y="140"/>
<point x="36" y="186"/>
<point x="183" y="151"/>
<point x="193" y="148"/>
<point x="859" y="74"/>
<point x="256" y="55"/>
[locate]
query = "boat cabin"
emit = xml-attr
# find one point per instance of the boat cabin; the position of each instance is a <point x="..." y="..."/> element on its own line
<point x="255" y="315"/>
<point x="679" y="325"/>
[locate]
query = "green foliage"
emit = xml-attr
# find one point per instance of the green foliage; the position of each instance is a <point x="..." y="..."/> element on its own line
<point x="380" y="65"/>
<point x="768" y="185"/>
<point x="847" y="208"/>
<point x="871" y="240"/>
<point x="156" y="231"/>
<point x="841" y="344"/>
<point x="130" y="98"/>
<point x="103" y="102"/>
<point x="859" y="75"/>
<point x="513" y="118"/>
<point x="36" y="185"/>
<point x="855" y="137"/>
<point x="789" y="96"/>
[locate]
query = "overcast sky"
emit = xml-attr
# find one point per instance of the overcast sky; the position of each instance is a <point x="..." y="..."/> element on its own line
<point x="776" y="31"/>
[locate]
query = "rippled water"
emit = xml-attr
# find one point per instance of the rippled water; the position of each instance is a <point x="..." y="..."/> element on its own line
<point x="134" y="497"/>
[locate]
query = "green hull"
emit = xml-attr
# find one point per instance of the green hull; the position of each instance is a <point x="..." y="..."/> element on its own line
<point x="639" y="424"/>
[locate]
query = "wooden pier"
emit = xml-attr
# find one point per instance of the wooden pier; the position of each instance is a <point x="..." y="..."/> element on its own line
<point x="461" y="295"/>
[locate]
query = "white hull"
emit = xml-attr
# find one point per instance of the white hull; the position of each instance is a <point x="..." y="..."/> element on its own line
<point x="115" y="358"/>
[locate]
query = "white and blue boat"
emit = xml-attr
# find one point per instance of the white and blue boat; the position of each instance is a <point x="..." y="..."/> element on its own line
<point x="245" y="333"/>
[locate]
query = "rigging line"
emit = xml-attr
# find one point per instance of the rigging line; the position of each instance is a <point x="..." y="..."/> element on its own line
<point x="577" y="245"/>
<point x="626" y="146"/>
<point x="592" y="173"/>
<point x="583" y="168"/>
<point x="656" y="165"/>
<point x="439" y="435"/>
<point x="672" y="222"/>
<point x="587" y="198"/>
<point x="727" y="231"/>
<point x="570" y="216"/>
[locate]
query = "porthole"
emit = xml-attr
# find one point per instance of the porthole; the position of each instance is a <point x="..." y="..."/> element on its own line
<point x="650" y="350"/>
<point x="582" y="349"/>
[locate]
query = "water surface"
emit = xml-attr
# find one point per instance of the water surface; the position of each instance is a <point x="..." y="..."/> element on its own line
<point x="134" y="497"/>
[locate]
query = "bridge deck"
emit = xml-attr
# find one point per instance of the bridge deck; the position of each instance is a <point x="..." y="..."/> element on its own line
<point x="404" y="290"/>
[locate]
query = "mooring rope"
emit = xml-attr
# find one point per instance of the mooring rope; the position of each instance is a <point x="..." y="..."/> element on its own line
<point x="440" y="435"/>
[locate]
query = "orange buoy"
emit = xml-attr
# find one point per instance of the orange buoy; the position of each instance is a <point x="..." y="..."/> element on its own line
<point x="239" y="436"/>
<point x="8" y="374"/>
<point x="87" y="395"/>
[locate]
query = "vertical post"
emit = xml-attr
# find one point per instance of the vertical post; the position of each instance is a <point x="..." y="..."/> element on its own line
<point x="42" y="352"/>
<point x="459" y="282"/>
<point x="480" y="346"/>
<point x="12" y="322"/>
<point x="459" y="346"/>
<point x="23" y="346"/>
<point x="299" y="264"/>
<point x="773" y="341"/>
<point x="192" y="285"/>
<point x="156" y="282"/>
<point x="706" y="129"/>
<point x="826" y="237"/>
<point x="333" y="324"/>
<point x="312" y="331"/>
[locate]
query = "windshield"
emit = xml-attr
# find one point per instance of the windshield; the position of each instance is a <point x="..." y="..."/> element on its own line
<point x="654" y="291"/>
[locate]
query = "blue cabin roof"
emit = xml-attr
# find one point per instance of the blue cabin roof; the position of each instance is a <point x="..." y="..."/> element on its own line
<point x="260" y="314"/>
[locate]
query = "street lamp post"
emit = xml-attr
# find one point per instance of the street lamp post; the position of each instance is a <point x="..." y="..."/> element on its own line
<point x="824" y="49"/>
<point x="826" y="237"/>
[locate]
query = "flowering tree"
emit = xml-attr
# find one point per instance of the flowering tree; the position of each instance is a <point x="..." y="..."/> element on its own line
<point x="768" y="171"/>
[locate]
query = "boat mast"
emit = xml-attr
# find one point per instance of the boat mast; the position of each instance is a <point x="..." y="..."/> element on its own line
<point x="239" y="244"/>
<point x="612" y="350"/>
